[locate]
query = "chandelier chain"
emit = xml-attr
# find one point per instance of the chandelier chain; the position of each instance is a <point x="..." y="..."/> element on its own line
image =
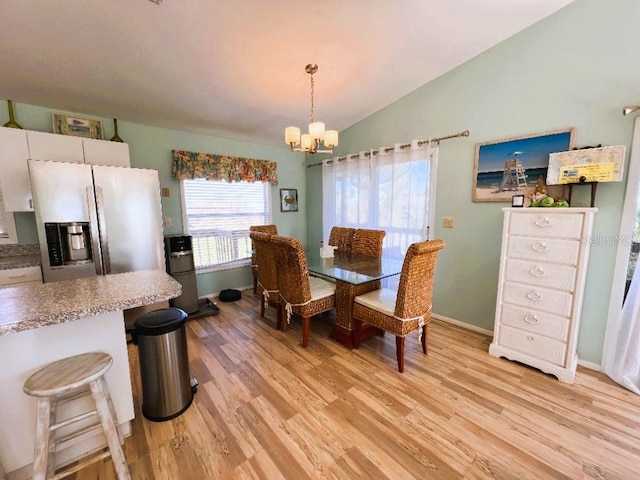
<point x="311" y="98"/>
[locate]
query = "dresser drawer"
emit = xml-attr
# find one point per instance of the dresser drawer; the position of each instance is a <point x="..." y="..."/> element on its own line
<point x="546" y="250"/>
<point x="535" y="321"/>
<point x="20" y="275"/>
<point x="550" y="275"/>
<point x="547" y="349"/>
<point x="547" y="224"/>
<point x="538" y="298"/>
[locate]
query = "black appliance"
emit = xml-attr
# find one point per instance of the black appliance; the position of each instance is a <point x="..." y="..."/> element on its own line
<point x="180" y="265"/>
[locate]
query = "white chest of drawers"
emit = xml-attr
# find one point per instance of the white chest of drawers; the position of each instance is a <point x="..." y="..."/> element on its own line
<point x="543" y="266"/>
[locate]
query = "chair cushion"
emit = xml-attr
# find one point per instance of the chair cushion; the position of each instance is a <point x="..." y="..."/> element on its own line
<point x="321" y="288"/>
<point x="383" y="300"/>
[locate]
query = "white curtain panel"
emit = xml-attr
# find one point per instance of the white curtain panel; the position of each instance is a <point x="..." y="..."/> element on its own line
<point x="621" y="356"/>
<point x="624" y="363"/>
<point x="388" y="190"/>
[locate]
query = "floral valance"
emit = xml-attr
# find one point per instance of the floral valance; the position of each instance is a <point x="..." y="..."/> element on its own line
<point x="190" y="165"/>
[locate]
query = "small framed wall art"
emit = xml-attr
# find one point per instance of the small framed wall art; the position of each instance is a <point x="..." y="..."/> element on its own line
<point x="77" y="127"/>
<point x="288" y="200"/>
<point x="517" y="201"/>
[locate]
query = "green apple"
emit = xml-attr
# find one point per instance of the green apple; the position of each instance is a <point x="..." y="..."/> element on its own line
<point x="547" y="202"/>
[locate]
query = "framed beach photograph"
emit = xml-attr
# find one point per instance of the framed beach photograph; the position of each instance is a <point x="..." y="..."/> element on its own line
<point x="288" y="200"/>
<point x="511" y="166"/>
<point x="77" y="127"/>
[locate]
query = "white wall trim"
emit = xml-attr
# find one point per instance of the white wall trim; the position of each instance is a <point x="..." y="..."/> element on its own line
<point x="468" y="326"/>
<point x="458" y="323"/>
<point x="589" y="365"/>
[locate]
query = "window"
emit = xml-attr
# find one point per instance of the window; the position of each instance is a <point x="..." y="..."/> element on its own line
<point x="218" y="215"/>
<point x="7" y="225"/>
<point x="391" y="191"/>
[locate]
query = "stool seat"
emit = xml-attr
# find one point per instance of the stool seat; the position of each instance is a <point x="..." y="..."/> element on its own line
<point x="68" y="374"/>
<point x="63" y="381"/>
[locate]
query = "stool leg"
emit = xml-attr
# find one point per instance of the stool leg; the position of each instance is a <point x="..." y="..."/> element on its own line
<point x="102" y="397"/>
<point x="41" y="450"/>
<point x="51" y="458"/>
<point x="112" y="410"/>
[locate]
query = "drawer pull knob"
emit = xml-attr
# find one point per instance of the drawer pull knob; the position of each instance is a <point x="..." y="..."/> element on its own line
<point x="530" y="338"/>
<point x="543" y="222"/>
<point x="17" y="276"/>
<point x="533" y="295"/>
<point x="531" y="319"/>
<point x="539" y="247"/>
<point x="536" y="272"/>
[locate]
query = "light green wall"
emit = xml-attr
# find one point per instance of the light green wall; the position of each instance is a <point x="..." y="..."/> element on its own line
<point x="150" y="147"/>
<point x="576" y="68"/>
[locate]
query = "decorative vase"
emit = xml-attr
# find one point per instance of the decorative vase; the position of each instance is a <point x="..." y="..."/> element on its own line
<point x="116" y="137"/>
<point x="12" y="120"/>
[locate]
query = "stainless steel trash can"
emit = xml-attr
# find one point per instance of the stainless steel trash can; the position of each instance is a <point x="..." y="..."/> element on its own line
<point x="167" y="388"/>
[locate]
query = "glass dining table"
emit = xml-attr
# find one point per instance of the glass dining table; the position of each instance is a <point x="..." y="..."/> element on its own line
<point x="354" y="275"/>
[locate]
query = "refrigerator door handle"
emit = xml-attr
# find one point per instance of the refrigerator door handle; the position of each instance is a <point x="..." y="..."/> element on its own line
<point x="102" y="227"/>
<point x="93" y="220"/>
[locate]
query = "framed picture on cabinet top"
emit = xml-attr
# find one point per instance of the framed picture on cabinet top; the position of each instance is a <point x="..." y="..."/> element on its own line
<point x="288" y="200"/>
<point x="77" y="127"/>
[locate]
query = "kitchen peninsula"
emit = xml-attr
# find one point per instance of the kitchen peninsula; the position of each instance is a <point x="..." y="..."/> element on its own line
<point x="41" y="323"/>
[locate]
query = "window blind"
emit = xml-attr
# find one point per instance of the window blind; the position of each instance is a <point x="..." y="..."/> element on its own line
<point x="218" y="216"/>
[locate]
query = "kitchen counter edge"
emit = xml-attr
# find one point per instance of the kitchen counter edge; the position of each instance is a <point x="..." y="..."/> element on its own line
<point x="34" y="306"/>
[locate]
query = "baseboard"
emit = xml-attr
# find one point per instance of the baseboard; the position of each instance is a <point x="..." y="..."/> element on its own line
<point x="468" y="326"/>
<point x="458" y="323"/>
<point x="590" y="365"/>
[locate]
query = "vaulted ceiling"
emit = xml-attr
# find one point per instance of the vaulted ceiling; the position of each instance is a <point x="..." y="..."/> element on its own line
<point x="235" y="69"/>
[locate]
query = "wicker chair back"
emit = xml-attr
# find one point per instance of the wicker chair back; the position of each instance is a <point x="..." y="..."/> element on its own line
<point x="415" y="291"/>
<point x="368" y="242"/>
<point x="293" y="270"/>
<point x="342" y="237"/>
<point x="266" y="261"/>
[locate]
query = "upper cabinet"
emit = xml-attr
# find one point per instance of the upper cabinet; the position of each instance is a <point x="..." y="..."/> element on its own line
<point x="56" y="148"/>
<point x="14" y="173"/>
<point x="16" y="146"/>
<point x="104" y="152"/>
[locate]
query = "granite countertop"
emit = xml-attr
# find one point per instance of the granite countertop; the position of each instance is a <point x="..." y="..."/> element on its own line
<point x="19" y="256"/>
<point x="19" y="261"/>
<point x="32" y="306"/>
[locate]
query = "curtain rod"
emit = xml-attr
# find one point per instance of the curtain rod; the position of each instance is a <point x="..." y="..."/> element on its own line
<point x="404" y="145"/>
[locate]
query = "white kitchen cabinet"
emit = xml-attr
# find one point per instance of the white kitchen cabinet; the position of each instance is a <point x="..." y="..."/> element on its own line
<point x="543" y="267"/>
<point x="104" y="152"/>
<point x="20" y="276"/>
<point x="14" y="173"/>
<point x="16" y="146"/>
<point x="56" y="148"/>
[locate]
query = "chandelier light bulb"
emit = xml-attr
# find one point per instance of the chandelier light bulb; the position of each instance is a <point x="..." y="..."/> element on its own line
<point x="292" y="135"/>
<point x="316" y="130"/>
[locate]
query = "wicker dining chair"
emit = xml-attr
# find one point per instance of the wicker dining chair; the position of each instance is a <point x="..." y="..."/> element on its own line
<point x="342" y="237"/>
<point x="368" y="242"/>
<point x="409" y="308"/>
<point x="271" y="230"/>
<point x="267" y="273"/>
<point x="299" y="293"/>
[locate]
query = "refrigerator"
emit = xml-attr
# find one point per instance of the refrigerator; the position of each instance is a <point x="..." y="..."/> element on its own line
<point x="95" y="219"/>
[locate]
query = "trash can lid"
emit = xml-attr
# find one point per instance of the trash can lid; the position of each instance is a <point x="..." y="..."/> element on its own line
<point x="159" y="322"/>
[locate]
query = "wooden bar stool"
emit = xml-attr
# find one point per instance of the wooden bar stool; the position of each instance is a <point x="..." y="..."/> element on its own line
<point x="66" y="380"/>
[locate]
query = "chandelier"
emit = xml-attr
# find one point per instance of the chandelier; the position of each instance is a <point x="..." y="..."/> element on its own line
<point x="310" y="142"/>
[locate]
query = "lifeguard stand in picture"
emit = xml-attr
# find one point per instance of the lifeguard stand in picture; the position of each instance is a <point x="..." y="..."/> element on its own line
<point x="514" y="176"/>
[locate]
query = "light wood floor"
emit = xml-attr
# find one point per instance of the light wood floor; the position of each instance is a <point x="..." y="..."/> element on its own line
<point x="268" y="409"/>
